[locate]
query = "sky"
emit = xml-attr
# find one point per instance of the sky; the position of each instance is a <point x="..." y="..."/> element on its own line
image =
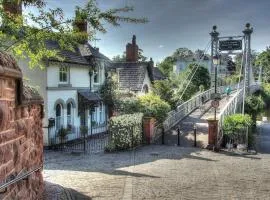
<point x="179" y="23"/>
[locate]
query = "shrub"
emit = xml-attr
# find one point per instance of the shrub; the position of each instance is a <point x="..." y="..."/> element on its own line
<point x="234" y="127"/>
<point x="83" y="130"/>
<point x="236" y="123"/>
<point x="128" y="105"/>
<point x="254" y="105"/>
<point x="62" y="133"/>
<point x="152" y="106"/>
<point x="125" y="131"/>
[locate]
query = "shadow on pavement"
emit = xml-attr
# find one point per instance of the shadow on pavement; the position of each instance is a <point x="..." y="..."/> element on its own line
<point x="56" y="192"/>
<point x="113" y="163"/>
<point x="249" y="156"/>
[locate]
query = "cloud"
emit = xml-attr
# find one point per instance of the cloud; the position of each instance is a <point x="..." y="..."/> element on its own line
<point x="160" y="46"/>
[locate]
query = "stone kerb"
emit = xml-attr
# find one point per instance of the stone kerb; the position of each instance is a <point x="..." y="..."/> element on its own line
<point x="21" y="136"/>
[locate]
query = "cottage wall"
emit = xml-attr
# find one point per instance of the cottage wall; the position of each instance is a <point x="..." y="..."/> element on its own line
<point x="21" y="136"/>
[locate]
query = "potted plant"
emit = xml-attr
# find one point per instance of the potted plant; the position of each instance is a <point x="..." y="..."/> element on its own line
<point x="62" y="134"/>
<point x="83" y="130"/>
<point x="94" y="123"/>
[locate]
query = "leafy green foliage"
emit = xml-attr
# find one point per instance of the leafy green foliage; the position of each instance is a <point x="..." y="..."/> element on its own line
<point x="152" y="106"/>
<point x="125" y="132"/>
<point x="164" y="89"/>
<point x="201" y="78"/>
<point x="109" y="94"/>
<point x="263" y="60"/>
<point x="234" y="124"/>
<point x="254" y="105"/>
<point x="166" y="66"/>
<point x="25" y="36"/>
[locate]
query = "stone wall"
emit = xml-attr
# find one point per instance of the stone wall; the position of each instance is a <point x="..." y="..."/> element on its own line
<point x="21" y="136"/>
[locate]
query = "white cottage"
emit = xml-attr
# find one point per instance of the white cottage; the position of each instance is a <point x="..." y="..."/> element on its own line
<point x="73" y="98"/>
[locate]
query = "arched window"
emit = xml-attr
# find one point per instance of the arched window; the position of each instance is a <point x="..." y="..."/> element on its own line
<point x="70" y="113"/>
<point x="63" y="74"/>
<point x="145" y="89"/>
<point x="59" y="116"/>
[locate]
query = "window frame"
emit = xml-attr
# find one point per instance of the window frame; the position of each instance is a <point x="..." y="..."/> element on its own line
<point x="63" y="70"/>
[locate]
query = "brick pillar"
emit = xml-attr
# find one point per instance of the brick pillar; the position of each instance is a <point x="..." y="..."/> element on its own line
<point x="148" y="129"/>
<point x="21" y="135"/>
<point x="212" y="133"/>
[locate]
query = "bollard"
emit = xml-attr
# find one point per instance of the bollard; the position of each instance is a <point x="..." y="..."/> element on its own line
<point x="178" y="136"/>
<point x="195" y="135"/>
<point x="163" y="136"/>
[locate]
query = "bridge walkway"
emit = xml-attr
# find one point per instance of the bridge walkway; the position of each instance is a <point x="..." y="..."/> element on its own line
<point x="186" y="126"/>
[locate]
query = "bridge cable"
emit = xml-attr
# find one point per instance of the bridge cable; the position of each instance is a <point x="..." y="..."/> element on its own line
<point x="238" y="86"/>
<point x="197" y="66"/>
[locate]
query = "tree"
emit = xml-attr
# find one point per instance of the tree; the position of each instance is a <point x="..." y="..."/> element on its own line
<point x="186" y="90"/>
<point x="253" y="106"/>
<point x="183" y="54"/>
<point x="26" y="35"/>
<point x="263" y="60"/>
<point x="164" y="89"/>
<point x="166" y="66"/>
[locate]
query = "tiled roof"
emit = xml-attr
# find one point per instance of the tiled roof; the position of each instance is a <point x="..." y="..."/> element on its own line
<point x="30" y="95"/>
<point x="89" y="96"/>
<point x="131" y="74"/>
<point x="78" y="56"/>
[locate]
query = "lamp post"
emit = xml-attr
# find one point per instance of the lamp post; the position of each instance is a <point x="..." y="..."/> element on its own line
<point x="216" y="62"/>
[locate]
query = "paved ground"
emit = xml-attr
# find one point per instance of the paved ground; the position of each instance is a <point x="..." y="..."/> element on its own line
<point x="264" y="138"/>
<point x="199" y="117"/>
<point x="159" y="172"/>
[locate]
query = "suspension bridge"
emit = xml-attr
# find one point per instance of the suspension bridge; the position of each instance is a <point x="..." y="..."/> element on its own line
<point x="179" y="127"/>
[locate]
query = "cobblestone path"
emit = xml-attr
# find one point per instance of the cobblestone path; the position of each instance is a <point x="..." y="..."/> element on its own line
<point x="161" y="172"/>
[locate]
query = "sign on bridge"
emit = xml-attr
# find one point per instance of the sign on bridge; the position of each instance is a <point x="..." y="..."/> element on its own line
<point x="228" y="45"/>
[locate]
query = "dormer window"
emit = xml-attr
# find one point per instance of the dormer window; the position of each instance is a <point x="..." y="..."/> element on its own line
<point x="63" y="75"/>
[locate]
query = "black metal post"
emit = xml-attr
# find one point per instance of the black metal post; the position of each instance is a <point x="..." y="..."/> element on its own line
<point x="195" y="136"/>
<point x="215" y="89"/>
<point x="163" y="136"/>
<point x="84" y="142"/>
<point x="178" y="136"/>
<point x="91" y="119"/>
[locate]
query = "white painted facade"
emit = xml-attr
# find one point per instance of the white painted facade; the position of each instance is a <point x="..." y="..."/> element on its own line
<point x="63" y="96"/>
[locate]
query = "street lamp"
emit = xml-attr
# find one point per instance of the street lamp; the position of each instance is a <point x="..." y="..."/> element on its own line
<point x="216" y="62"/>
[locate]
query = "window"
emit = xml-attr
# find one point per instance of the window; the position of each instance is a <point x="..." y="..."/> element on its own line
<point x="145" y="89"/>
<point x="100" y="113"/>
<point x="59" y="116"/>
<point x="63" y="74"/>
<point x="70" y="113"/>
<point x="96" y="75"/>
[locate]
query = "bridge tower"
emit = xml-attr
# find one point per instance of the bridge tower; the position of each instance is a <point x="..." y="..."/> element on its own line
<point x="214" y="51"/>
<point x="247" y="52"/>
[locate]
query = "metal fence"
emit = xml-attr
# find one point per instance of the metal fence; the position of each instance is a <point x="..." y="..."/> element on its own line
<point x="81" y="139"/>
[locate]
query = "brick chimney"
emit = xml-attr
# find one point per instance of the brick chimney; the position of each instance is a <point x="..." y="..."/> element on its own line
<point x="13" y="7"/>
<point x="132" y="51"/>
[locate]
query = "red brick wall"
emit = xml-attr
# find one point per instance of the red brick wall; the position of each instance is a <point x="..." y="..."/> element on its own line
<point x="21" y="143"/>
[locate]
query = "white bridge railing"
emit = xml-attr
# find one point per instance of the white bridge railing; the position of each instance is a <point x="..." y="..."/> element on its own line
<point x="174" y="117"/>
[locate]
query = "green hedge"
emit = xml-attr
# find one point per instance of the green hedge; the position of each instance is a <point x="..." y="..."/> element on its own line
<point x="125" y="132"/>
